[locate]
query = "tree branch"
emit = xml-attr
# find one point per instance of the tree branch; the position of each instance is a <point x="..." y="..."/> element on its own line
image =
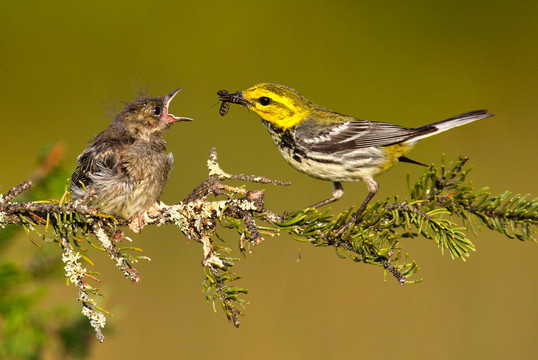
<point x="436" y="198"/>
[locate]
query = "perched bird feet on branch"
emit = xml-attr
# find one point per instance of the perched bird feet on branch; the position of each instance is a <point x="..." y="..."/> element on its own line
<point x="124" y="170"/>
<point x="154" y="212"/>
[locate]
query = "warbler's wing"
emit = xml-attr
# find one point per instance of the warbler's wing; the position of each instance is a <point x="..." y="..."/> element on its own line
<point x="355" y="134"/>
<point x="98" y="156"/>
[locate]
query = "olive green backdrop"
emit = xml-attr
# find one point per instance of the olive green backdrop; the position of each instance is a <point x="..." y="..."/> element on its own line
<point x="65" y="64"/>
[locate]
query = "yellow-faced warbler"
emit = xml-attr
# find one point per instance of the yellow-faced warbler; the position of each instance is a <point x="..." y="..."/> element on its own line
<point x="331" y="146"/>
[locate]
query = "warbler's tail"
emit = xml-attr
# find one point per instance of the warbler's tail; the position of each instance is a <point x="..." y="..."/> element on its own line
<point x="444" y="125"/>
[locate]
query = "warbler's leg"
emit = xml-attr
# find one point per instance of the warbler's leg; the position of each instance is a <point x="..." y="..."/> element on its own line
<point x="372" y="190"/>
<point x="338" y="192"/>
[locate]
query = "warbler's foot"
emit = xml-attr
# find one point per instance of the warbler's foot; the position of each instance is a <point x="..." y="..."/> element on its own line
<point x="343" y="228"/>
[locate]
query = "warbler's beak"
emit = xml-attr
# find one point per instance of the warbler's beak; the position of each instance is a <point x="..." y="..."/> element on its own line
<point x="236" y="98"/>
<point x="171" y="118"/>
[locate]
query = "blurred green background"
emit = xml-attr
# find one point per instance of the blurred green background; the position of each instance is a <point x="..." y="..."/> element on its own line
<point x="65" y="65"/>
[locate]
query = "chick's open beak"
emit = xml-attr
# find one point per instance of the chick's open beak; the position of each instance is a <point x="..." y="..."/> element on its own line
<point x="171" y="118"/>
<point x="236" y="98"/>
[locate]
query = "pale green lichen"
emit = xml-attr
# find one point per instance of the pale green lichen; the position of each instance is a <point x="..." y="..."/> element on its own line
<point x="73" y="269"/>
<point x="103" y="238"/>
<point x="210" y="258"/>
<point x="247" y="205"/>
<point x="182" y="214"/>
<point x="119" y="260"/>
<point x="97" y="318"/>
<point x="75" y="273"/>
<point x="214" y="168"/>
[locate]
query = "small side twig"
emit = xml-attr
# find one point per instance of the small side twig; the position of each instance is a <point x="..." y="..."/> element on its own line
<point x="387" y="265"/>
<point x="119" y="259"/>
<point x="404" y="206"/>
<point x="15" y="191"/>
<point x="214" y="169"/>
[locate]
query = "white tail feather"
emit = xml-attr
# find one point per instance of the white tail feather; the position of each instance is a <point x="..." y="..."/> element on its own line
<point x="453" y="122"/>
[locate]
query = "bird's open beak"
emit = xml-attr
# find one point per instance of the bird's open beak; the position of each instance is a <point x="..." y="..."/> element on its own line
<point x="171" y="118"/>
<point x="236" y="98"/>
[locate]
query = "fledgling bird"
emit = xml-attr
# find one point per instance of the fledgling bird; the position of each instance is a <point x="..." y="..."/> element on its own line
<point x="124" y="169"/>
<point x="331" y="146"/>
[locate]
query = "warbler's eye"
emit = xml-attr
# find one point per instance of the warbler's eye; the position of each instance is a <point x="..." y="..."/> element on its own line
<point x="264" y="100"/>
<point x="157" y="110"/>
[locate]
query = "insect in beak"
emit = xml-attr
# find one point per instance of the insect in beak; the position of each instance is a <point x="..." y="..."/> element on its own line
<point x="226" y="98"/>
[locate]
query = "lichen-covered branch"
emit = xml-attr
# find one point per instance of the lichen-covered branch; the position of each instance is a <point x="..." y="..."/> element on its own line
<point x="76" y="275"/>
<point x="442" y="207"/>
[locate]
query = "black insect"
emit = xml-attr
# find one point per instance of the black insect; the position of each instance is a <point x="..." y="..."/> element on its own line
<point x="225" y="106"/>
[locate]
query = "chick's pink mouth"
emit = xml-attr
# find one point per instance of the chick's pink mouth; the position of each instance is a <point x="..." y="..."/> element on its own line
<point x="171" y="118"/>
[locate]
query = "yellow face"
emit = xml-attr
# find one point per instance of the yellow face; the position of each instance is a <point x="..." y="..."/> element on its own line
<point x="278" y="104"/>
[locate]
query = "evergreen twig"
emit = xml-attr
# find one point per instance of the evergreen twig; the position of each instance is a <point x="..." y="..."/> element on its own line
<point x="442" y="207"/>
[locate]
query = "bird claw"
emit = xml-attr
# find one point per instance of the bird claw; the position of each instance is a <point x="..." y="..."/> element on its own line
<point x="137" y="223"/>
<point x="343" y="229"/>
<point x="155" y="211"/>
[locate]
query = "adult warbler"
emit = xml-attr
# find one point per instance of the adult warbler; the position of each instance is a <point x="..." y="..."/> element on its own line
<point x="331" y="146"/>
<point x="124" y="170"/>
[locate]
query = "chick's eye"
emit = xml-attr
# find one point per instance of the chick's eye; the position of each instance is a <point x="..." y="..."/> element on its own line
<point x="157" y="110"/>
<point x="264" y="100"/>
